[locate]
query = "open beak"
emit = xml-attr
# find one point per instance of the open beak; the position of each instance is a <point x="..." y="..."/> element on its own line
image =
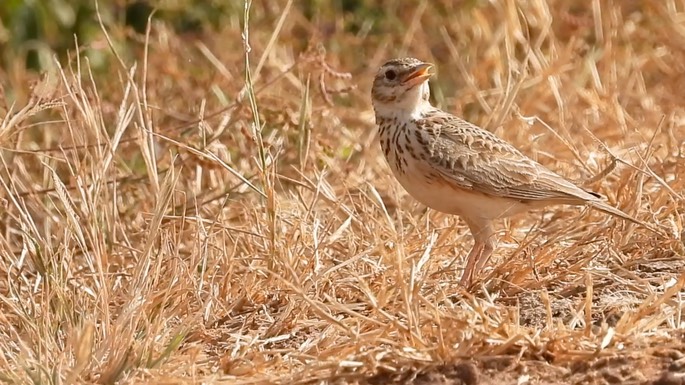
<point x="420" y="74"/>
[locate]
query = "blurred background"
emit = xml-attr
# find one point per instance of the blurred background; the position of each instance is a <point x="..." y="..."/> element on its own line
<point x="357" y="34"/>
<point x="33" y="30"/>
<point x="479" y="47"/>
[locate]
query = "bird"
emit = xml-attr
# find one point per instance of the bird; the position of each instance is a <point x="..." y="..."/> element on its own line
<point x="455" y="167"/>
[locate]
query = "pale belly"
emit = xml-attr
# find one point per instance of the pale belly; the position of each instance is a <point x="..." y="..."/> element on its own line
<point x="446" y="198"/>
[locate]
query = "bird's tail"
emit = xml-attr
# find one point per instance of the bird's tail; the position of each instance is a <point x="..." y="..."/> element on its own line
<point x="620" y="214"/>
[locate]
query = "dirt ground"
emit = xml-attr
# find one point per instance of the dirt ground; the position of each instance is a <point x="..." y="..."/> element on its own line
<point x="663" y="367"/>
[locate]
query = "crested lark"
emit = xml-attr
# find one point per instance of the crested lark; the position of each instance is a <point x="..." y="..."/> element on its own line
<point x="456" y="167"/>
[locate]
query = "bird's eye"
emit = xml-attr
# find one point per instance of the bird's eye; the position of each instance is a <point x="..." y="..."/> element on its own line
<point x="390" y="75"/>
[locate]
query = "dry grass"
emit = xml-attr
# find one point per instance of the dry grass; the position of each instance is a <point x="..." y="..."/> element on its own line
<point x="181" y="220"/>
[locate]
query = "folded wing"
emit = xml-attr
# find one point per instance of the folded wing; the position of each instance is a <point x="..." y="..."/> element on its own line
<point x="473" y="158"/>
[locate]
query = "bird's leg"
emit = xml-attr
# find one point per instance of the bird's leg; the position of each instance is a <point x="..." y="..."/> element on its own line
<point x="483" y="246"/>
<point x="474" y="255"/>
<point x="488" y="247"/>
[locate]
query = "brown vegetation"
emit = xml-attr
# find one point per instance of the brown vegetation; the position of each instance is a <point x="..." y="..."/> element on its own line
<point x="177" y="219"/>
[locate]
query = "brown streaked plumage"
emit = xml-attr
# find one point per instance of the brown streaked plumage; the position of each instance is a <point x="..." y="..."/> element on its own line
<point x="456" y="167"/>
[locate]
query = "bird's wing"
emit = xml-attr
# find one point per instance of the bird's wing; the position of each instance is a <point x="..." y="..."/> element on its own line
<point x="475" y="159"/>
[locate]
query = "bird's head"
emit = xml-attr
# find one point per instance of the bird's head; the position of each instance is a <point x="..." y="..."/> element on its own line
<point x="401" y="87"/>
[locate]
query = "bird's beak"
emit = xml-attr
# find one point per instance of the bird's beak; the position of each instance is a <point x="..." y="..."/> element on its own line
<point x="419" y="74"/>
